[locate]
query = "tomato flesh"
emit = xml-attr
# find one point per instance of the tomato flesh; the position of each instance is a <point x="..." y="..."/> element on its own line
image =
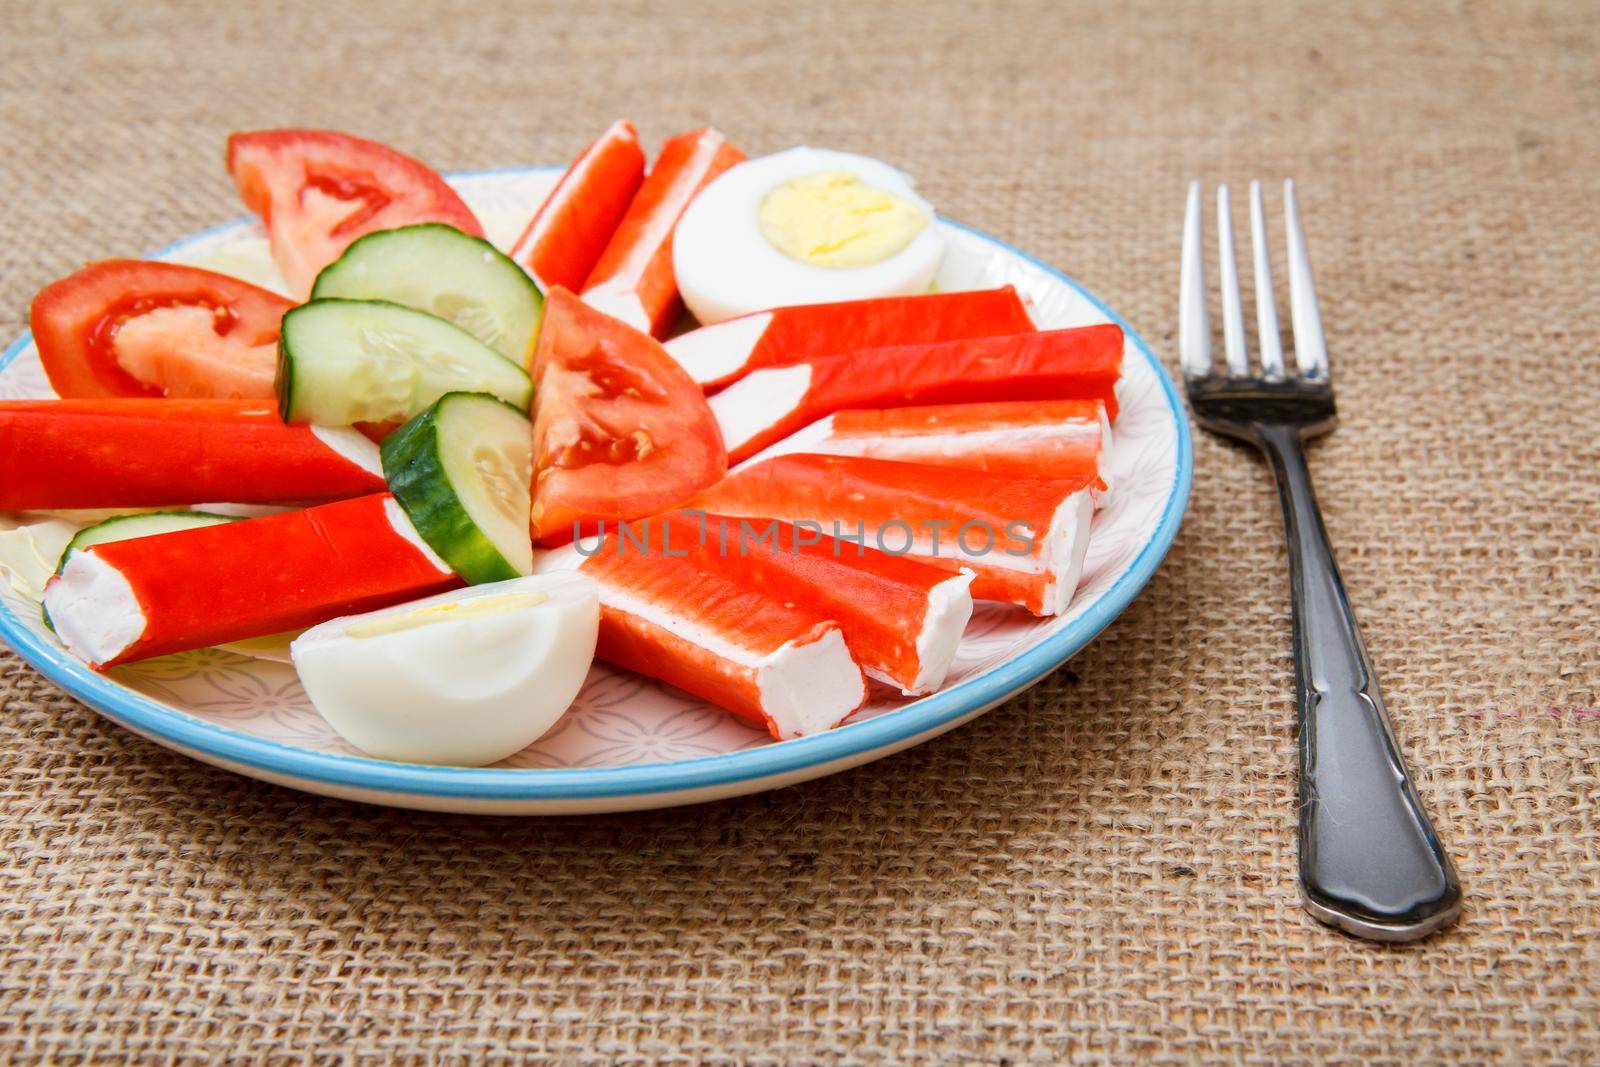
<point x="125" y="327"/>
<point x="620" y="430"/>
<point x="371" y="198"/>
<point x="317" y="190"/>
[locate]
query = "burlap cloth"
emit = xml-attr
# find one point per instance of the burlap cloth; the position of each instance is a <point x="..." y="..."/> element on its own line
<point x="1102" y="869"/>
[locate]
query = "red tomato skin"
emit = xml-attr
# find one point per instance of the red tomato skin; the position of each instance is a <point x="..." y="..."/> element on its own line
<point x="74" y="320"/>
<point x="274" y="168"/>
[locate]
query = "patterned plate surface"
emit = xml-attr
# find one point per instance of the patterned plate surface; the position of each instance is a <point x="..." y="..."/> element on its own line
<point x="629" y="742"/>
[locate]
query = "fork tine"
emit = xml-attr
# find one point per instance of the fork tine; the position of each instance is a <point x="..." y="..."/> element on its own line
<point x="1228" y="285"/>
<point x="1310" y="349"/>
<point x="1194" y="330"/>
<point x="1266" y="307"/>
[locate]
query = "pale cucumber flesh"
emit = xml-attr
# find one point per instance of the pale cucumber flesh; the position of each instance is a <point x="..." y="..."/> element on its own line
<point x="438" y="269"/>
<point x="348" y="361"/>
<point x="462" y="470"/>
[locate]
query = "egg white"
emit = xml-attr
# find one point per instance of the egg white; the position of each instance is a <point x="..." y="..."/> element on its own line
<point x="725" y="265"/>
<point x="465" y="691"/>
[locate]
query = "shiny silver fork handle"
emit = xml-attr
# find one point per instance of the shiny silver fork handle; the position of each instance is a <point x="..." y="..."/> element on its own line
<point x="1370" y="861"/>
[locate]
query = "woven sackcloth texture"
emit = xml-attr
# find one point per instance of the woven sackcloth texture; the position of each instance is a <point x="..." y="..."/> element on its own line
<point x="1101" y="870"/>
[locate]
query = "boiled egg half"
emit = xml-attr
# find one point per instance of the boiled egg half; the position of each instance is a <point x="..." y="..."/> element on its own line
<point x="463" y="678"/>
<point x="805" y="226"/>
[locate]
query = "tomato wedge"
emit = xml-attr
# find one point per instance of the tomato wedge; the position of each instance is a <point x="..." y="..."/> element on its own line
<point x="317" y="190"/>
<point x="620" y="431"/>
<point x="125" y="327"/>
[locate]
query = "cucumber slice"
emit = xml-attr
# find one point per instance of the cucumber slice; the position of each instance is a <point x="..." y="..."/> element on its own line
<point x="461" y="470"/>
<point x="348" y="361"/>
<point x="127" y="527"/>
<point x="438" y="269"/>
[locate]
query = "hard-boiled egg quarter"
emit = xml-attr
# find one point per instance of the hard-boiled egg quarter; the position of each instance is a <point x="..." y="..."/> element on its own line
<point x="805" y="226"/>
<point x="464" y="678"/>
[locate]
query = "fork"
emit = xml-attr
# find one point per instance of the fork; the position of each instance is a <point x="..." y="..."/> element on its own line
<point x="1370" y="861"/>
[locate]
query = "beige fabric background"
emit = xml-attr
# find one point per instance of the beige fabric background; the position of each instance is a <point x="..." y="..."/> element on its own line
<point x="1102" y="869"/>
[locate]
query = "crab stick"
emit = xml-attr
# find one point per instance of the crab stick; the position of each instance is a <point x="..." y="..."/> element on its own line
<point x="633" y="280"/>
<point x="1025" y="538"/>
<point x="128" y="600"/>
<point x="716" y="355"/>
<point x="150" y="452"/>
<point x="769" y="404"/>
<point x="902" y="619"/>
<point x="771" y="663"/>
<point x="1064" y="439"/>
<point x="564" y="239"/>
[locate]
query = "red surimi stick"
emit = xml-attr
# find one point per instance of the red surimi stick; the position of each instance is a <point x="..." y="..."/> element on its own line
<point x="719" y="354"/>
<point x="139" y="452"/>
<point x="148" y="596"/>
<point x="633" y="280"/>
<point x="769" y="404"/>
<point x="774" y="665"/>
<point x="571" y="229"/>
<point x="1024" y="538"/>
<point x="902" y="619"/>
<point x="1064" y="439"/>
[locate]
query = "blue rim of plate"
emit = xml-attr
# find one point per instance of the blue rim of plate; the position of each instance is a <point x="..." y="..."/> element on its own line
<point x="144" y="715"/>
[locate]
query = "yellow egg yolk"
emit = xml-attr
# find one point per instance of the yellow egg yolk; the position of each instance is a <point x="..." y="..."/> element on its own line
<point x="834" y="219"/>
<point x="446" y="612"/>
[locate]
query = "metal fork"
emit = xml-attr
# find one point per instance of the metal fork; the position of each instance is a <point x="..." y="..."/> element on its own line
<point x="1370" y="862"/>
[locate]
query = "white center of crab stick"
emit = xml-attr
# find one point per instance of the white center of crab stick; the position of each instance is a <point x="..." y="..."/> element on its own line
<point x="1066" y="544"/>
<point x="804" y="688"/>
<point x="813" y="437"/>
<point x="714" y="352"/>
<point x="623" y="306"/>
<point x="94" y="609"/>
<point x="352" y="445"/>
<point x="402" y="526"/>
<point x="807" y="689"/>
<point x="754" y="402"/>
<point x="949" y="609"/>
<point x="1105" y="444"/>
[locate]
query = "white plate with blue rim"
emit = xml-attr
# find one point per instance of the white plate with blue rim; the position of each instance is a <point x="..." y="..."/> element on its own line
<point x="628" y="742"/>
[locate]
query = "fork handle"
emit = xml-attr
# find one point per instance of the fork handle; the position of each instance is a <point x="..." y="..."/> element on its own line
<point x="1370" y="861"/>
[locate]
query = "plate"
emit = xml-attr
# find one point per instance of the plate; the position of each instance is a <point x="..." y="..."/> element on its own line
<point x="629" y="743"/>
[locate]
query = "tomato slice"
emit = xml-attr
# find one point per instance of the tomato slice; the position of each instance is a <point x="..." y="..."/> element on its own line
<point x="125" y="327"/>
<point x="620" y="431"/>
<point x="317" y="191"/>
